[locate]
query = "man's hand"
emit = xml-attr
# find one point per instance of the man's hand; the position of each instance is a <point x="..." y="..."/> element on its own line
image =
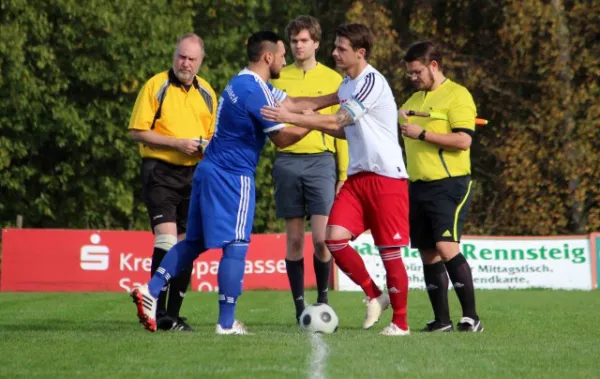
<point x="188" y="146"/>
<point x="411" y="130"/>
<point x="403" y="114"/>
<point x="338" y="186"/>
<point x="277" y="114"/>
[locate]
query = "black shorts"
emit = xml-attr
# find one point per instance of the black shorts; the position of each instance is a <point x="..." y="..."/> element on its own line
<point x="166" y="191"/>
<point x="438" y="210"/>
<point x="304" y="184"/>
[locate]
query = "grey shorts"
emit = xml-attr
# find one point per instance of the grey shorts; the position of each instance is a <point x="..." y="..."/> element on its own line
<point x="304" y="184"/>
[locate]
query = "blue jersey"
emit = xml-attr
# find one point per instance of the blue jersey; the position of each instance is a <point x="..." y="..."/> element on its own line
<point x="240" y="130"/>
<point x="222" y="203"/>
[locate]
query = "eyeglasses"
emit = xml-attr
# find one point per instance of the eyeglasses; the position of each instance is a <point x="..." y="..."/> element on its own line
<point x="410" y="74"/>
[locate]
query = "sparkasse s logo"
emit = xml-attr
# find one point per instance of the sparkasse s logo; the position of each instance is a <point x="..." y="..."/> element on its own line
<point x="94" y="257"/>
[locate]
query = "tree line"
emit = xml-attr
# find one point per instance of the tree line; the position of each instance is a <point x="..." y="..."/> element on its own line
<point x="70" y="72"/>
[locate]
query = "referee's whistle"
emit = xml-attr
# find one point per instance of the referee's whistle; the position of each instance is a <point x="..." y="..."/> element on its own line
<point x="203" y="143"/>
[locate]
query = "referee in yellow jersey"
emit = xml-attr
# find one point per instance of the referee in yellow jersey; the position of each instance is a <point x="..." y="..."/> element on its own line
<point x="173" y="117"/>
<point x="308" y="174"/>
<point x="439" y="166"/>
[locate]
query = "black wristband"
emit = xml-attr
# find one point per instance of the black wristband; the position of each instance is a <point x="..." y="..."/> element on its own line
<point x="422" y="135"/>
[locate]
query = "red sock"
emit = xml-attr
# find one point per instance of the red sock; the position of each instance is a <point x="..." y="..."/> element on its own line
<point x="397" y="284"/>
<point x="350" y="262"/>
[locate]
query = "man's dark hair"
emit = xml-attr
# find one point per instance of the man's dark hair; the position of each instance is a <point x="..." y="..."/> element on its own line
<point x="301" y="23"/>
<point x="260" y="42"/>
<point x="359" y="35"/>
<point x="424" y="52"/>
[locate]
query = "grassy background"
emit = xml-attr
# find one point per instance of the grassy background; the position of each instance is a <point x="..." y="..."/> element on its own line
<point x="529" y="334"/>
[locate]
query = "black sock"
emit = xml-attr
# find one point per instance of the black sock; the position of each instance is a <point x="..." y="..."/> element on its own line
<point x="177" y="289"/>
<point x="295" y="273"/>
<point x="322" y="270"/>
<point x="436" y="282"/>
<point x="157" y="257"/>
<point x="460" y="274"/>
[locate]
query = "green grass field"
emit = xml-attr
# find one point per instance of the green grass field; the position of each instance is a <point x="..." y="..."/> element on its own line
<point x="528" y="334"/>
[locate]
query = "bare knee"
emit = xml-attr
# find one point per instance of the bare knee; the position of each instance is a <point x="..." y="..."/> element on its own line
<point x="429" y="256"/>
<point x="321" y="251"/>
<point x="295" y="247"/>
<point x="338" y="233"/>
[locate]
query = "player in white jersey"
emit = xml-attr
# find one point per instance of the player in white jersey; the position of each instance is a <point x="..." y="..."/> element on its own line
<point x="375" y="195"/>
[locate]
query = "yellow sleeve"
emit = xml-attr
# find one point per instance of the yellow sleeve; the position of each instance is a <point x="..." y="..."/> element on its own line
<point x="341" y="157"/>
<point x="144" y="109"/>
<point x="462" y="111"/>
<point x="213" y="120"/>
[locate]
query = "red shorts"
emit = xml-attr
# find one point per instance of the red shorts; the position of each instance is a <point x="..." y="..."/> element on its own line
<point x="375" y="202"/>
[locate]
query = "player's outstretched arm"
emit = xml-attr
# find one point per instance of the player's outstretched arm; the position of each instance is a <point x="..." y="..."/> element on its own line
<point x="287" y="136"/>
<point x="300" y="104"/>
<point x="330" y="124"/>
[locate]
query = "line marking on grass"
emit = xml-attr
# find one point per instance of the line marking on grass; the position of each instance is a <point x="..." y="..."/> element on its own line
<point x="318" y="357"/>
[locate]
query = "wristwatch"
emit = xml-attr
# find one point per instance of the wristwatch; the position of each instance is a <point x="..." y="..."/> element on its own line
<point x="422" y="135"/>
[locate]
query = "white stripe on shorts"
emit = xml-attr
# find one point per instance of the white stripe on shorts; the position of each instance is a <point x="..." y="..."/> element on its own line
<point x="242" y="215"/>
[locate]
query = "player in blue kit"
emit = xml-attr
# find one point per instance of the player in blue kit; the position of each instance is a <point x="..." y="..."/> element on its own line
<point x="223" y="194"/>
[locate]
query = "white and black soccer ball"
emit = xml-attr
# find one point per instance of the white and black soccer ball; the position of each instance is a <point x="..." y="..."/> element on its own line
<point x="319" y="318"/>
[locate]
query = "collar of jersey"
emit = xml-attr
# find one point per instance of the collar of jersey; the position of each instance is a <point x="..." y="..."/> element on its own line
<point x="173" y="79"/>
<point x="250" y="72"/>
<point x="292" y="68"/>
<point x="365" y="71"/>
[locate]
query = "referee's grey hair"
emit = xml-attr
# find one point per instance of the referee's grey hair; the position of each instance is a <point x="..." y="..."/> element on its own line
<point x="193" y="36"/>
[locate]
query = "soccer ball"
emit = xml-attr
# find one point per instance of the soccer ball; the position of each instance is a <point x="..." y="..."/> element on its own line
<point x="319" y="318"/>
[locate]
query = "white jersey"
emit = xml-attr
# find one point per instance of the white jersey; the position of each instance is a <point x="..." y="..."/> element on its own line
<point x="373" y="137"/>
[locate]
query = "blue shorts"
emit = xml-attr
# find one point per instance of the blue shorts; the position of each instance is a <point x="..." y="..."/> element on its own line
<point x="221" y="207"/>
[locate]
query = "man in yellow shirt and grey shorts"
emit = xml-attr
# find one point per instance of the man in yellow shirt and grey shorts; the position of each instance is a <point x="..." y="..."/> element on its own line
<point x="308" y="174"/>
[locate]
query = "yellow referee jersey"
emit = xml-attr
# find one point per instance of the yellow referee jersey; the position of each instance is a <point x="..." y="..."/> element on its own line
<point x="321" y="80"/>
<point x="427" y="161"/>
<point x="184" y="114"/>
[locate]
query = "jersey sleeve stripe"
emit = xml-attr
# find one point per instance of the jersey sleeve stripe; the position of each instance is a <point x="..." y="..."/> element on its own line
<point x="268" y="94"/>
<point x="273" y="128"/>
<point x="366" y="88"/>
<point x="464" y="130"/>
<point x="278" y="94"/>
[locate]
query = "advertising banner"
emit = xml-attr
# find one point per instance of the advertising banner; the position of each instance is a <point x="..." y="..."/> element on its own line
<point x="499" y="263"/>
<point x="86" y="260"/>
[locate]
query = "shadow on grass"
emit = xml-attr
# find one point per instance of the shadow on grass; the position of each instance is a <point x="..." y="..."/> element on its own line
<point x="116" y="326"/>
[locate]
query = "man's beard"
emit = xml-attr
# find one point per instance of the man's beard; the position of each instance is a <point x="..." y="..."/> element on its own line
<point x="184" y="76"/>
<point x="274" y="74"/>
<point x="431" y="80"/>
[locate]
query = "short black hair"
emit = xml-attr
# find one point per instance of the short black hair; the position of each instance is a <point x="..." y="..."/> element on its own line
<point x="424" y="52"/>
<point x="259" y="42"/>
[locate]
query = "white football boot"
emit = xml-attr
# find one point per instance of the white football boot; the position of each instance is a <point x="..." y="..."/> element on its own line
<point x="236" y="329"/>
<point x="374" y="309"/>
<point x="146" y="307"/>
<point x="394" y="330"/>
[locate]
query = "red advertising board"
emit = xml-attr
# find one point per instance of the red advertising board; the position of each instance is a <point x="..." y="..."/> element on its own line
<point x="88" y="260"/>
